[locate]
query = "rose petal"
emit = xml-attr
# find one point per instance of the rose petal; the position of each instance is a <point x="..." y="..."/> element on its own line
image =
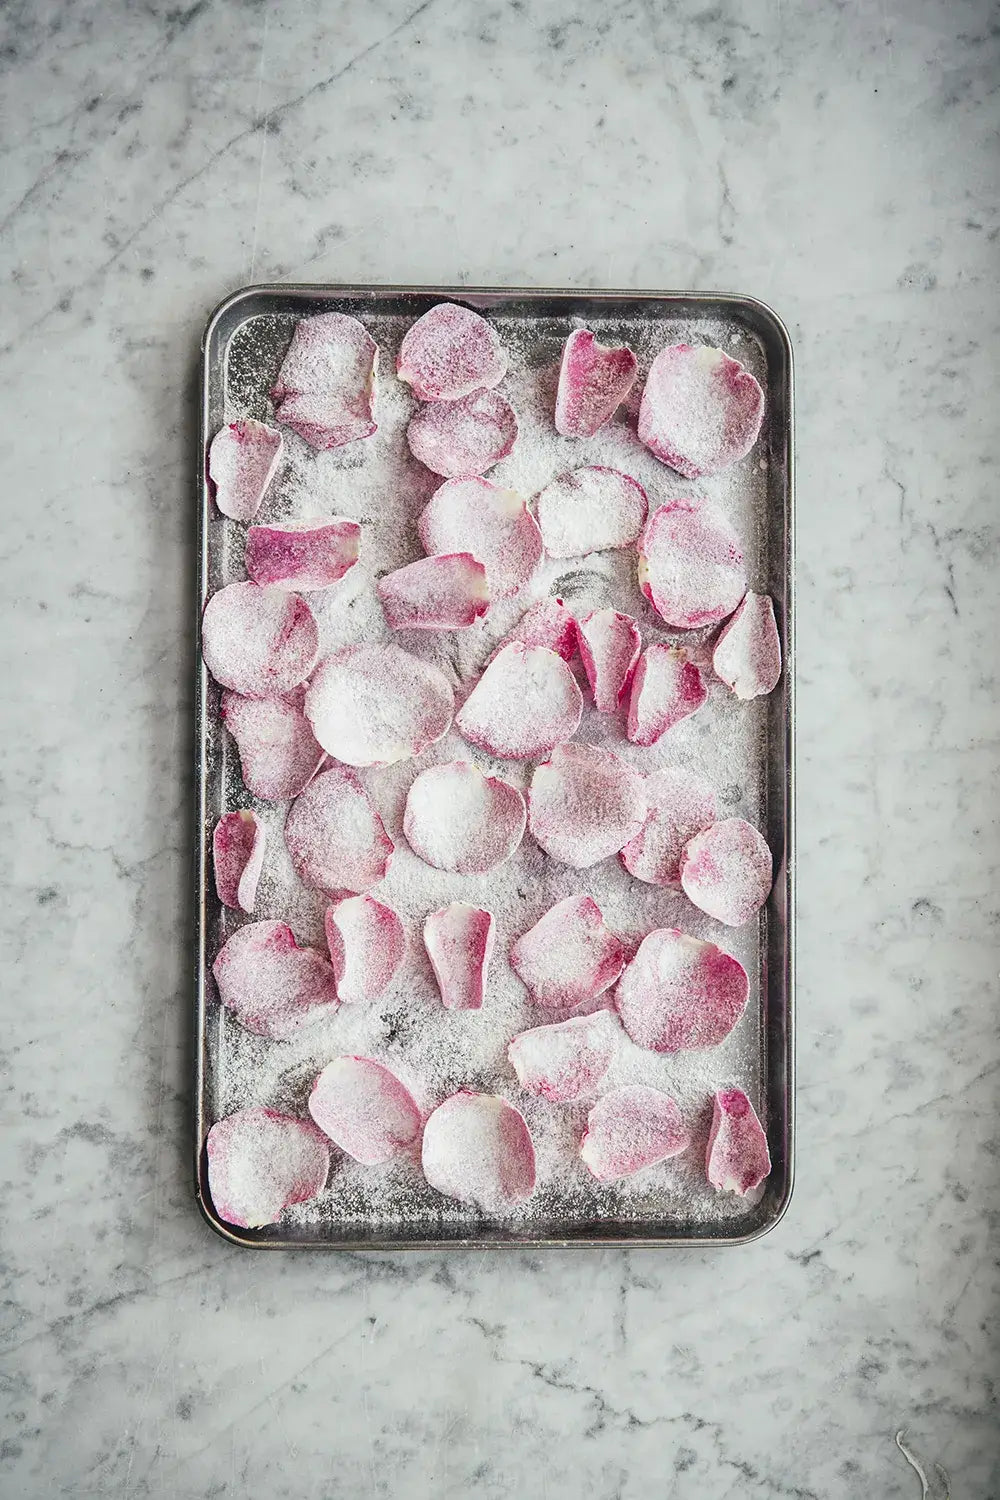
<point x="459" y="942"/>
<point x="569" y="956"/>
<point x="435" y="593"/>
<point x="306" y="555"/>
<point x="565" y="1060"/>
<point x="238" y="856"/>
<point x="590" y="510"/>
<point x="747" y="655"/>
<point x="609" y="648"/>
<point x="666" y="688"/>
<point x="279" y="753"/>
<point x="271" y="985"/>
<point x="326" y="384"/>
<point x="474" y="515"/>
<point x="700" y="411"/>
<point x="631" y="1128"/>
<point x="364" y="1109"/>
<point x="526" y="702"/>
<point x="679" y="992"/>
<point x="594" y="380"/>
<point x="737" y="1159"/>
<point x="690" y="564"/>
<point x="259" y="642"/>
<point x="584" y="804"/>
<point x="680" y="805"/>
<point x="260" y="1162"/>
<point x="727" y="872"/>
<point x="478" y="1149"/>
<point x="449" y="353"/>
<point x="336" y="839"/>
<point x="547" y="623"/>
<point x="367" y="943"/>
<point x="373" y="705"/>
<point x="243" y="458"/>
<point x="458" y="819"/>
<point x="460" y="439"/>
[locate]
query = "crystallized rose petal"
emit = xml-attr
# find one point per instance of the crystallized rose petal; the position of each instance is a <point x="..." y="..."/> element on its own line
<point x="373" y="705"/>
<point x="435" y="593"/>
<point x="494" y="524"/>
<point x="690" y="564"/>
<point x="609" y="648"/>
<point x="547" y="623"/>
<point x="458" y="819"/>
<point x="271" y="985"/>
<point x="326" y="384"/>
<point x="680" y="805"/>
<point x="631" y="1128"/>
<point x="566" y="1060"/>
<point x="449" y="353"/>
<point x="260" y="1162"/>
<point x="478" y="1149"/>
<point x="526" y="702"/>
<point x="367" y="943"/>
<point x="460" y="439"/>
<point x="590" y="510"/>
<point x="727" y="872"/>
<point x="584" y="803"/>
<point x="569" y="956"/>
<point x="701" y="410"/>
<point x="364" y="1109"/>
<point x="737" y="1159"/>
<point x="594" y="380"/>
<point x="311" y="554"/>
<point x="336" y="839"/>
<point x="747" y="655"/>
<point x="238" y="856"/>
<point x="279" y="753"/>
<point x="666" y="688"/>
<point x="459" y="942"/>
<point x="242" y="460"/>
<point x="259" y="642"/>
<point x="679" y="992"/>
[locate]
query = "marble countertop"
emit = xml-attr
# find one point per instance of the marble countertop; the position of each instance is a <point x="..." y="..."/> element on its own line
<point x="838" y="162"/>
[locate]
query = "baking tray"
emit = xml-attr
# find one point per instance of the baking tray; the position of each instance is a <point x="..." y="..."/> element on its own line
<point x="242" y="349"/>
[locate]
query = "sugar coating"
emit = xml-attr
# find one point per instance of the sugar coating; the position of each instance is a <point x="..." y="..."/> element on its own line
<point x="260" y="1162"/>
<point x="243" y="458"/>
<point x="375" y="704"/>
<point x="450" y="352"/>
<point x="690" y="564"/>
<point x="679" y="992"/>
<point x="335" y="837"/>
<point x="435" y="593"/>
<point x="547" y="623"/>
<point x="365" y="1109"/>
<point x="747" y="655"/>
<point x="493" y="523"/>
<point x="258" y="642"/>
<point x="665" y="688"/>
<point x="526" y="702"/>
<point x="567" y="1059"/>
<point x="458" y="819"/>
<point x="679" y="805"/>
<point x="609" y="649"/>
<point x="727" y="871"/>
<point x="594" y="379"/>
<point x="367" y="944"/>
<point x="590" y="510"/>
<point x="459" y="940"/>
<point x="462" y="439"/>
<point x="307" y="554"/>
<point x="238" y="858"/>
<point x="270" y="985"/>
<point x="477" y="1148"/>
<point x="737" y="1159"/>
<point x="326" y="384"/>
<point x="279" y="754"/>
<point x="701" y="411"/>
<point x="584" y="804"/>
<point x="569" y="956"/>
<point x="631" y="1128"/>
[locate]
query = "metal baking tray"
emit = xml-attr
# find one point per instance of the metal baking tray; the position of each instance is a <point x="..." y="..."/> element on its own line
<point x="393" y="1208"/>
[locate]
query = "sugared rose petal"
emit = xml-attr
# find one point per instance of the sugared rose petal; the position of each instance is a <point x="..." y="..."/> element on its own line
<point x="594" y="380"/>
<point x="435" y="593"/>
<point x="458" y="819"/>
<point x="326" y="384"/>
<point x="584" y="804"/>
<point x="547" y="623"/>
<point x="478" y="1149"/>
<point x="364" y="1109"/>
<point x="569" y="956"/>
<point x="679" y="992"/>
<point x="271" y="985"/>
<point x="367" y="943"/>
<point x="279" y="753"/>
<point x="373" y="705"/>
<point x="526" y="702"/>
<point x="259" y="642"/>
<point x="632" y="1128"/>
<point x="590" y="510"/>
<point x="737" y="1159"/>
<point x="727" y="872"/>
<point x="474" y="515"/>
<point x="566" y="1060"/>
<point x="449" y="353"/>
<point x="747" y="655"/>
<point x="303" y="554"/>
<point x="459" y="942"/>
<point x="690" y="564"/>
<point x="238" y="856"/>
<point x="680" y="805"/>
<point x="666" y="688"/>
<point x="336" y="839"/>
<point x="609" y="649"/>
<point x="460" y="439"/>
<point x="242" y="460"/>
<point x="260" y="1162"/>
<point x="701" y="410"/>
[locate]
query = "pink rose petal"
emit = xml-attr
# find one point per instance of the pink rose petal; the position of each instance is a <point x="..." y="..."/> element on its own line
<point x="260" y="1162"/>
<point x="590" y="510"/>
<point x="311" y="554"/>
<point x="460" y="439"/>
<point x="474" y="515"/>
<point x="458" y="819"/>
<point x="680" y="805"/>
<point x="459" y="942"/>
<point x="279" y="753"/>
<point x="594" y="380"/>
<point x="243" y="458"/>
<point x="747" y="655"/>
<point x="238" y="856"/>
<point x="737" y="1159"/>
<point x="373" y="705"/>
<point x="547" y="623"/>
<point x="365" y="1109"/>
<point x="326" y="384"/>
<point x="700" y="411"/>
<point x="584" y="803"/>
<point x="679" y="992"/>
<point x="336" y="839"/>
<point x="526" y="702"/>
<point x="271" y="985"/>
<point x="367" y="943"/>
<point x="727" y="871"/>
<point x="566" y="1060"/>
<point x="569" y="956"/>
<point x="690" y="564"/>
<point x="478" y="1149"/>
<point x="449" y="353"/>
<point x="631" y="1128"/>
<point x="666" y="688"/>
<point x="259" y="642"/>
<point x="609" y="649"/>
<point x="435" y="593"/>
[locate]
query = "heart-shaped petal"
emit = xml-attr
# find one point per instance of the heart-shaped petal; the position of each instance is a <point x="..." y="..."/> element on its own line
<point x="679" y="992"/>
<point x="461" y="439"/>
<point x="336" y="839"/>
<point x="700" y="411"/>
<point x="592" y="509"/>
<point x="449" y="353"/>
<point x="680" y="804"/>
<point x="594" y="379"/>
<point x="631" y="1128"/>
<point x="584" y="804"/>
<point x="727" y="871"/>
<point x="566" y="1060"/>
<point x="569" y="956"/>
<point x="260" y="1162"/>
<point x="494" y="524"/>
<point x="259" y="642"/>
<point x="478" y="1149"/>
<point x="690" y="564"/>
<point x="526" y="702"/>
<point x="372" y="705"/>
<point x="364" y="1109"/>
<point x="458" y="819"/>
<point x="270" y="984"/>
<point x="326" y="384"/>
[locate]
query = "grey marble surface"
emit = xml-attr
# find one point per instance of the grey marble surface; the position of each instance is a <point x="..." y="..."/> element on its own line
<point x="838" y="161"/>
